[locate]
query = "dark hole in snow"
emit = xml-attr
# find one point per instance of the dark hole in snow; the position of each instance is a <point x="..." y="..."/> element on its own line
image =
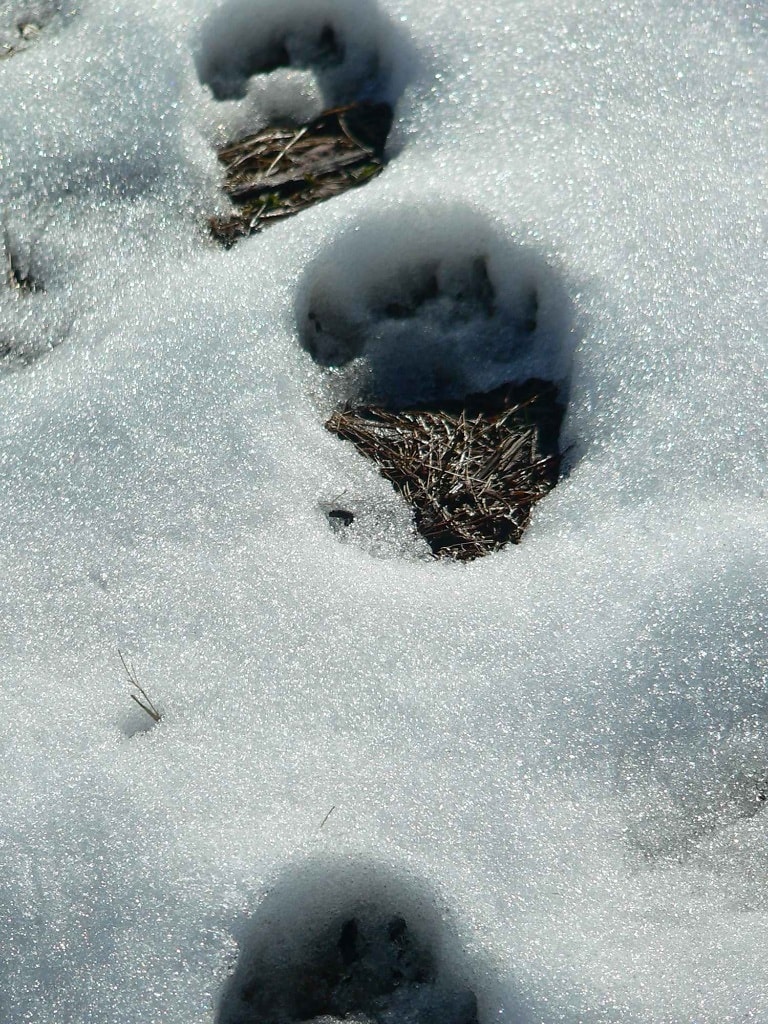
<point x="341" y="517"/>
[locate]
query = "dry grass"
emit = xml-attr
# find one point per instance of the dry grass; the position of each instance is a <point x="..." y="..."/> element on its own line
<point x="139" y="697"/>
<point x="281" y="171"/>
<point x="472" y="476"/>
<point x="20" y="280"/>
<point x="27" y="31"/>
<point x="17" y="276"/>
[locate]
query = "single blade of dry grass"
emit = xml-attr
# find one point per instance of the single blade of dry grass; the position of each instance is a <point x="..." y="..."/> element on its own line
<point x="140" y="697"/>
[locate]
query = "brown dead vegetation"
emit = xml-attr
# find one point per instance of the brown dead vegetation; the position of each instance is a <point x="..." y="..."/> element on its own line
<point x="282" y="170"/>
<point x="472" y="471"/>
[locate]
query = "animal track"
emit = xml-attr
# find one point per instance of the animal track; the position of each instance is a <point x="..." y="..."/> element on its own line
<point x="444" y="309"/>
<point x="358" y="61"/>
<point x="675" y="825"/>
<point x="342" y="948"/>
<point x="348" y="44"/>
<point x="449" y="353"/>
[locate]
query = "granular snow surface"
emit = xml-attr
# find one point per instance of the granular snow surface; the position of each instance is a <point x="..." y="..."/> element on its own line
<point x="550" y="763"/>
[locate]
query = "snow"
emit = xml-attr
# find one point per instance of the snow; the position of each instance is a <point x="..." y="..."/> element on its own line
<point x="550" y="762"/>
